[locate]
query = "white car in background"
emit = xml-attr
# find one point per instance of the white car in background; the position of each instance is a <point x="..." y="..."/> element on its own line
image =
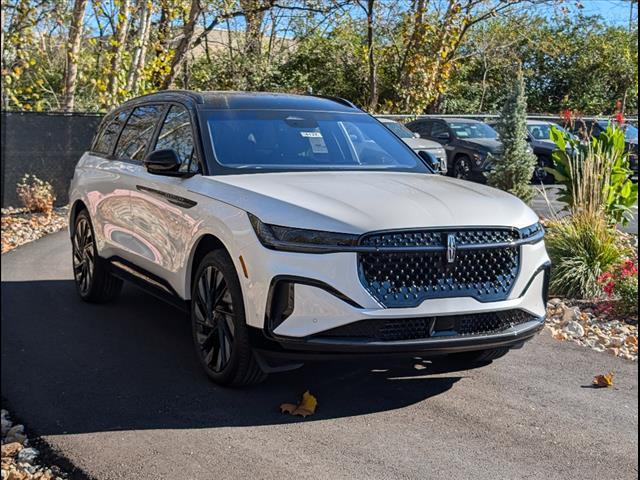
<point x="416" y="143"/>
<point x="298" y="227"/>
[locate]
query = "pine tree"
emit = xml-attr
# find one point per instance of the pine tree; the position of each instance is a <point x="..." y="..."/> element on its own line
<point x="512" y="171"/>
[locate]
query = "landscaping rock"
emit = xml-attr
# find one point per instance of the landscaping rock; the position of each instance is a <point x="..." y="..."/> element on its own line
<point x="27" y="455"/>
<point x="574" y="329"/>
<point x="581" y="323"/>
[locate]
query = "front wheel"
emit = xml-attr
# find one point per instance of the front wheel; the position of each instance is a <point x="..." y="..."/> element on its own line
<point x="462" y="168"/>
<point x="218" y="323"/>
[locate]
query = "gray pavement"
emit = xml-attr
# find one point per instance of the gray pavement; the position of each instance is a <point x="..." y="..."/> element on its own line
<point x="547" y="205"/>
<point x="118" y="391"/>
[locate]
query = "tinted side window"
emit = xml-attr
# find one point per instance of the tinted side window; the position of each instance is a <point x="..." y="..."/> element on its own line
<point x="176" y="134"/>
<point x="438" y="128"/>
<point x="138" y="132"/>
<point x="108" y="134"/>
<point x="422" y="127"/>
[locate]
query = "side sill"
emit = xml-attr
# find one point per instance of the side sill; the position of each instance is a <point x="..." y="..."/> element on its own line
<point x="147" y="281"/>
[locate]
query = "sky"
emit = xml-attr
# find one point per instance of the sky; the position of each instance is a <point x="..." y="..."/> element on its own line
<point x="615" y="12"/>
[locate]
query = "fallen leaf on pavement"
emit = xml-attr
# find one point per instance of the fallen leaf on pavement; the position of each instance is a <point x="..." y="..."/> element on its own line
<point x="603" y="381"/>
<point x="306" y="407"/>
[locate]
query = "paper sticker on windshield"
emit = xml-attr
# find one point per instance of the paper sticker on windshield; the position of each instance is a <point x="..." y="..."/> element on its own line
<point x="316" y="141"/>
<point x="311" y="134"/>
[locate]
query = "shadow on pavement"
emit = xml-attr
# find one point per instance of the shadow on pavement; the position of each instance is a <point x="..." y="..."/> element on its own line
<point x="71" y="367"/>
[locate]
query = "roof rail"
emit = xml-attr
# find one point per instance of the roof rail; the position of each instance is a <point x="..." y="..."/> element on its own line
<point x="340" y="100"/>
<point x="195" y="96"/>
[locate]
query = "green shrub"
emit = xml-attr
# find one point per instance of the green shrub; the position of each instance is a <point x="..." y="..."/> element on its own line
<point x="596" y="175"/>
<point x="513" y="169"/>
<point x="582" y="247"/>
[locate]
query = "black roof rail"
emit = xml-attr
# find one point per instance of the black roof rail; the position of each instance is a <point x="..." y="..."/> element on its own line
<point x="340" y="100"/>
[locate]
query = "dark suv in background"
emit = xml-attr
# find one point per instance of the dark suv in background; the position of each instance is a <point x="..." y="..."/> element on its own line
<point x="468" y="144"/>
<point x="585" y="129"/>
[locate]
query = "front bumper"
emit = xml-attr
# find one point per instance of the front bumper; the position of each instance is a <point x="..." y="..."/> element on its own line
<point x="325" y="348"/>
<point x="327" y="294"/>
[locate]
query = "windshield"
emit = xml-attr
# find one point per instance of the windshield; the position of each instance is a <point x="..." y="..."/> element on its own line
<point x="472" y="130"/>
<point x="630" y="132"/>
<point x="542" y="131"/>
<point x="399" y="129"/>
<point x="274" y="140"/>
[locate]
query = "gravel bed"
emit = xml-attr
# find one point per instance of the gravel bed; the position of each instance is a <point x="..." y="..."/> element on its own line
<point x="20" y="226"/>
<point x="19" y="459"/>
<point x="578" y="322"/>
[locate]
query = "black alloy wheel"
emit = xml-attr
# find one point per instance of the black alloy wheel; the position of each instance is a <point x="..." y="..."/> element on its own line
<point x="214" y="315"/>
<point x="220" y="333"/>
<point x="462" y="168"/>
<point x="83" y="256"/>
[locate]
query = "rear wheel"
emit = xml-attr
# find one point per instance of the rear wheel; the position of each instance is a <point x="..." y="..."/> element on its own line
<point x="94" y="282"/>
<point x="218" y="323"/>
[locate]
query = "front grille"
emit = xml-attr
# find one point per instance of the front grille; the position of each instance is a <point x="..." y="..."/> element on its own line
<point x="388" y="330"/>
<point x="485" y="266"/>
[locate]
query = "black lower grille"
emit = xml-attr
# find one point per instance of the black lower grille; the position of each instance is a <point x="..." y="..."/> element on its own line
<point x="485" y="266"/>
<point x="387" y="330"/>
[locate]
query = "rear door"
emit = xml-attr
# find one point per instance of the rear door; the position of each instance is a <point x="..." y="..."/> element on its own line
<point x="106" y="197"/>
<point x="132" y="145"/>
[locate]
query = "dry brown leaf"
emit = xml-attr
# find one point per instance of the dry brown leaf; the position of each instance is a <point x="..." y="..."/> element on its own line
<point x="288" y="408"/>
<point x="306" y="407"/>
<point x="631" y="340"/>
<point x="603" y="381"/>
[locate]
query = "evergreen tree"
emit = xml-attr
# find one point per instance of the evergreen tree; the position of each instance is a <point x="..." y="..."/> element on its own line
<point x="512" y="171"/>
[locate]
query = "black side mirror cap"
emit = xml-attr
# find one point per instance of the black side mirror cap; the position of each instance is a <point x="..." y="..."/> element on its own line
<point x="430" y="159"/>
<point x="163" y="162"/>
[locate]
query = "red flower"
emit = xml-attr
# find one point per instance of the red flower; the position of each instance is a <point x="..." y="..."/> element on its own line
<point x="566" y="115"/>
<point x="609" y="288"/>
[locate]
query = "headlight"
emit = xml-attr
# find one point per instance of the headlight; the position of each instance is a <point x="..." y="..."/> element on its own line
<point x="533" y="233"/>
<point x="291" y="239"/>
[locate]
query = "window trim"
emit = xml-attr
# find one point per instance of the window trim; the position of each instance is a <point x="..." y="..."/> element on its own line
<point x="109" y="118"/>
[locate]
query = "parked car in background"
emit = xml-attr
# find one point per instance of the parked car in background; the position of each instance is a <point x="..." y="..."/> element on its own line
<point x="418" y="144"/>
<point x="539" y="138"/>
<point x="468" y="144"/>
<point x="289" y="238"/>
<point x="585" y="129"/>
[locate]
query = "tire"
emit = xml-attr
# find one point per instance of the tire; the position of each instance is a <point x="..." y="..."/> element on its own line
<point x="478" y="357"/>
<point x="462" y="167"/>
<point x="218" y="323"/>
<point x="94" y="282"/>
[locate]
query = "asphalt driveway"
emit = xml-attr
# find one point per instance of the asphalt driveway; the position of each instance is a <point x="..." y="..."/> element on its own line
<point x="117" y="390"/>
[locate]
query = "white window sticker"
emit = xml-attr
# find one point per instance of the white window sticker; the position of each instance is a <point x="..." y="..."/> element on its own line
<point x="316" y="141"/>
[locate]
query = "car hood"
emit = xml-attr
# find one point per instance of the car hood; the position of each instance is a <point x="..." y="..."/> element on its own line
<point x="359" y="202"/>
<point x="421" y="143"/>
<point x="489" y="144"/>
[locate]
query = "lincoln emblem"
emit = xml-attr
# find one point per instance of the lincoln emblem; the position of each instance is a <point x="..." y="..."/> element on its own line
<point x="451" y="248"/>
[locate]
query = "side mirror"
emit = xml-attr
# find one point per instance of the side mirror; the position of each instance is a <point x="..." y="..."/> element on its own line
<point x="416" y="135"/>
<point x="444" y="136"/>
<point x="163" y="162"/>
<point x="430" y="159"/>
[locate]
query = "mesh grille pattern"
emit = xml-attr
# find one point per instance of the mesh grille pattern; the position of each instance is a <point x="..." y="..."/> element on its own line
<point x="405" y="279"/>
<point x="426" y="327"/>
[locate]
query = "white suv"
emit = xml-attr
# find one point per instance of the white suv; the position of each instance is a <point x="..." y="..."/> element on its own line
<point x="297" y="227"/>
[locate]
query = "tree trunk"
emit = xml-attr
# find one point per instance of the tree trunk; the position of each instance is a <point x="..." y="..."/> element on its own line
<point x="73" y="50"/>
<point x="252" y="38"/>
<point x="140" y="53"/>
<point x="373" y="74"/>
<point x="120" y="36"/>
<point x="184" y="45"/>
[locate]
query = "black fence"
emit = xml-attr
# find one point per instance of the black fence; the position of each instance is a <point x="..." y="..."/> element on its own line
<point x="47" y="145"/>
